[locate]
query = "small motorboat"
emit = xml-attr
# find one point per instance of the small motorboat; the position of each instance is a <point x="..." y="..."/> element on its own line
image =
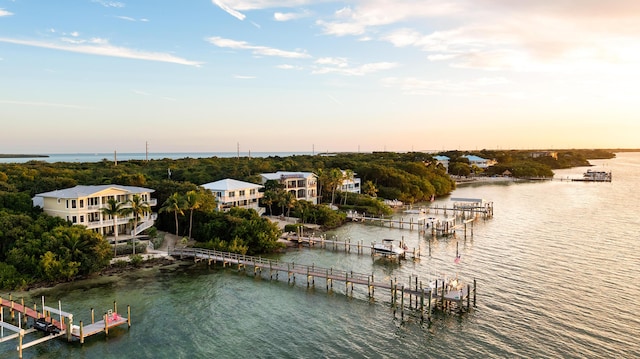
<point x="389" y="248"/>
<point x="41" y="324"/>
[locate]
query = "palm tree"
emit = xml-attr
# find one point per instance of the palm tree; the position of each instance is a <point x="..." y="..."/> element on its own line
<point x="193" y="201"/>
<point x="322" y="178"/>
<point x="268" y="199"/>
<point x="114" y="209"/>
<point x="175" y="204"/>
<point x="138" y="208"/>
<point x="291" y="202"/>
<point x="334" y="181"/>
<point x="347" y="176"/>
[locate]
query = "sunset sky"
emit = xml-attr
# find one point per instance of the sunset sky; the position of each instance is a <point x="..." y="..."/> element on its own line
<point x="300" y="75"/>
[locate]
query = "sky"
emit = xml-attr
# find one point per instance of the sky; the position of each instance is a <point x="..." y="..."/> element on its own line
<point x="97" y="76"/>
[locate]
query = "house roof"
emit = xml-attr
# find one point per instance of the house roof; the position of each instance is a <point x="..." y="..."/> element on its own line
<point x="473" y="158"/>
<point x="441" y="158"/>
<point x="284" y="174"/>
<point x="86" y="191"/>
<point x="229" y="184"/>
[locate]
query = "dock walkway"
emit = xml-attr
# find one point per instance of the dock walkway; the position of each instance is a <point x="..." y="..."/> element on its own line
<point x="442" y="295"/>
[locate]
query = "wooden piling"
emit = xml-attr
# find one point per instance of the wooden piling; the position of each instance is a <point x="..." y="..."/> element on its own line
<point x="474" y="292"/>
<point x="402" y="302"/>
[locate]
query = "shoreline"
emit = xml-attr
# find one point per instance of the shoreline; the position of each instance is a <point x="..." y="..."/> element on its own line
<point x="17" y="155"/>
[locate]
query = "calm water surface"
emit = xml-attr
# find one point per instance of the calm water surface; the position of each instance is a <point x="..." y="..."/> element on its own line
<point x="556" y="270"/>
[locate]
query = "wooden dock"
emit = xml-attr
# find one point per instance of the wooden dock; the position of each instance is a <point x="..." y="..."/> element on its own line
<point x="441" y="295"/>
<point x="358" y="247"/>
<point x="464" y="211"/>
<point x="20" y="315"/>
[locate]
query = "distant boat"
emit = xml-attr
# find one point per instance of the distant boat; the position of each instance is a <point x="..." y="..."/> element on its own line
<point x="594" y="176"/>
<point x="416" y="211"/>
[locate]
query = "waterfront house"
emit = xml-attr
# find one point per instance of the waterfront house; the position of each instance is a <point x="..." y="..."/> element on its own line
<point x="443" y="160"/>
<point x="479" y="161"/>
<point x="538" y="154"/>
<point x="303" y="185"/>
<point x="233" y="193"/>
<point x="83" y="205"/>
<point x="351" y="185"/>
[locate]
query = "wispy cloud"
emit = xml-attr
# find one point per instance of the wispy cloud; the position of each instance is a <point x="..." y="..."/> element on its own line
<point x="289" y="67"/>
<point x="341" y="66"/>
<point x="42" y="104"/>
<point x="4" y="12"/>
<point x="237" y="14"/>
<point x="104" y="3"/>
<point x="280" y="16"/>
<point x="256" y="50"/>
<point x="127" y="18"/>
<point x="375" y="13"/>
<point x="101" y="47"/>
<point x="540" y="36"/>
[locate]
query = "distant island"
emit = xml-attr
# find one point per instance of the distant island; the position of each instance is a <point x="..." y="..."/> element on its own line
<point x="21" y="156"/>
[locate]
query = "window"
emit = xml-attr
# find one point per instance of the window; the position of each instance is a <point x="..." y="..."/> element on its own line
<point x="74" y="219"/>
<point x="252" y="191"/>
<point x="73" y="205"/>
<point x="232" y="194"/>
<point x="241" y="193"/>
<point x="82" y="203"/>
<point x="81" y="219"/>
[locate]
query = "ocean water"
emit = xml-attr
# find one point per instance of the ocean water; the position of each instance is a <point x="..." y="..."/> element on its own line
<point x="97" y="157"/>
<point x="556" y="270"/>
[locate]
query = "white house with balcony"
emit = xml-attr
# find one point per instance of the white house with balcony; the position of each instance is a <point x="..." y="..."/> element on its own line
<point x="303" y="185"/>
<point x="233" y="193"/>
<point x="83" y="205"/>
<point x="351" y="185"/>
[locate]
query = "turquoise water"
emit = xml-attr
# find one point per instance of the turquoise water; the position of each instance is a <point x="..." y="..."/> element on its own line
<point x="556" y="270"/>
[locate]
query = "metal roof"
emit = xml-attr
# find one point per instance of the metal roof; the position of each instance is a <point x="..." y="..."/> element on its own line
<point x="284" y="174"/>
<point x="86" y="191"/>
<point x="229" y="184"/>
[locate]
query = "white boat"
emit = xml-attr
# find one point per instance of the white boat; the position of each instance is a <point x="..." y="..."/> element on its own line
<point x="595" y="176"/>
<point x="388" y="247"/>
<point x="416" y="211"/>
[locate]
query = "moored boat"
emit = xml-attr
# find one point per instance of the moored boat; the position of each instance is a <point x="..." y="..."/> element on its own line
<point x="595" y="176"/>
<point x="388" y="247"/>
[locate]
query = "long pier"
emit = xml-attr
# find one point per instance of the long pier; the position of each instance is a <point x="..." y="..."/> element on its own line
<point x="440" y="293"/>
<point x="63" y="326"/>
